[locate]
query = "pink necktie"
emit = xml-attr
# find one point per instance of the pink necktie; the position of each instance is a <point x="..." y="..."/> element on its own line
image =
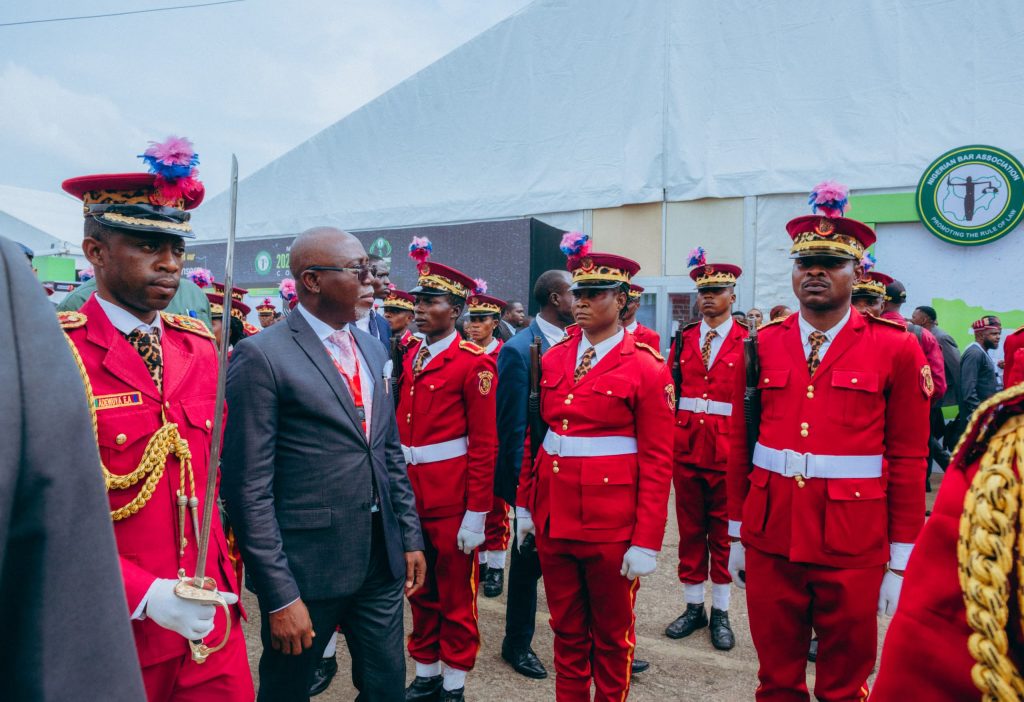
<point x="350" y="369"/>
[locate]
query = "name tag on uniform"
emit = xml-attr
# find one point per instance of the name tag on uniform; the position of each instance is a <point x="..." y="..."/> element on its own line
<point x="121" y="399"/>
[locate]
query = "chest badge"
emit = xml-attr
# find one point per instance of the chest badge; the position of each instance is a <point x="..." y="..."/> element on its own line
<point x="486" y="381"/>
<point x="927" y="384"/>
<point x="120" y="399"/>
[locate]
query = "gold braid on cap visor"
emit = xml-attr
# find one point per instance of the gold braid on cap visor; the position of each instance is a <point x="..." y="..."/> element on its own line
<point x="216" y="309"/>
<point x="588" y="272"/>
<point x="717" y="279"/>
<point x="428" y="280"/>
<point x="833" y="244"/>
<point x="399" y="303"/>
<point x="479" y="307"/>
<point x="869" y="287"/>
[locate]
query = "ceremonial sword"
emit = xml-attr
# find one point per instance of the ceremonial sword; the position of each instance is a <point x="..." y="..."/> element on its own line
<point x="199" y="588"/>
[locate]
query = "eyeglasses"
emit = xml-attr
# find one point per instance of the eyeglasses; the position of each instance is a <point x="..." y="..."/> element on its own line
<point x="363" y="272"/>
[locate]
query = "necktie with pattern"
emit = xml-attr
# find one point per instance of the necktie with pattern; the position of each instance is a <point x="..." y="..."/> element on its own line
<point x="348" y="364"/>
<point x="705" y="349"/>
<point x="148" y="346"/>
<point x="816" y="339"/>
<point x="584" y="367"/>
<point x="421" y="358"/>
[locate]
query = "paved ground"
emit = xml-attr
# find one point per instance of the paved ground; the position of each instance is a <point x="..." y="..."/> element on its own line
<point x="686" y="669"/>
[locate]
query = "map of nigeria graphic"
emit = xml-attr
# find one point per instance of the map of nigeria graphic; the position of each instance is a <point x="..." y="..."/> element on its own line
<point x="976" y="198"/>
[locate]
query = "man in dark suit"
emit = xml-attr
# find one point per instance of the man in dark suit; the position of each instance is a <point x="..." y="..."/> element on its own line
<point x="315" y="482"/>
<point x="977" y="371"/>
<point x="61" y="596"/>
<point x="551" y="292"/>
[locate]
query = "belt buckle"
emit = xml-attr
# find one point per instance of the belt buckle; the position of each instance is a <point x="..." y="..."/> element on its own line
<point x="796" y="464"/>
<point x="417" y="457"/>
<point x="700" y="405"/>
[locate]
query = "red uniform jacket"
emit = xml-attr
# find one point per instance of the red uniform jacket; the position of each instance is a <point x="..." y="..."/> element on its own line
<point x="703" y="439"/>
<point x="647" y="336"/>
<point x="453" y="397"/>
<point x="870" y="396"/>
<point x="932" y="354"/>
<point x="1013" y="359"/>
<point x="131" y="411"/>
<point x="925" y="651"/>
<point x="604" y="498"/>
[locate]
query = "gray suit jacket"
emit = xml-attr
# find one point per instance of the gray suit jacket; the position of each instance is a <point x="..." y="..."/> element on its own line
<point x="951" y="360"/>
<point x="978" y="378"/>
<point x="297" y="469"/>
<point x="62" y="599"/>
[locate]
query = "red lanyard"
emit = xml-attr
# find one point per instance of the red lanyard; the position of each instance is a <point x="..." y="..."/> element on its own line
<point x="355" y="386"/>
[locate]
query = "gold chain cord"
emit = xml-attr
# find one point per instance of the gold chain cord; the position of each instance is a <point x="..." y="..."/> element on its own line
<point x="990" y="531"/>
<point x="165" y="442"/>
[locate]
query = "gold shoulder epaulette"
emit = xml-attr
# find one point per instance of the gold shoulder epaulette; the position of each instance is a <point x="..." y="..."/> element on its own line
<point x="471" y="347"/>
<point x="691" y="325"/>
<point x="887" y="322"/>
<point x="652" y="350"/>
<point x="772" y="323"/>
<point x="71" y="319"/>
<point x="189" y="324"/>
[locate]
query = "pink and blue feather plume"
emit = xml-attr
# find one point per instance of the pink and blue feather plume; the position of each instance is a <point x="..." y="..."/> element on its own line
<point x="868" y="262"/>
<point x="174" y="163"/>
<point x="575" y="244"/>
<point x="481" y="286"/>
<point x="203" y="277"/>
<point x="832" y="198"/>
<point x="287" y="289"/>
<point x="420" y="249"/>
<point x="698" y="257"/>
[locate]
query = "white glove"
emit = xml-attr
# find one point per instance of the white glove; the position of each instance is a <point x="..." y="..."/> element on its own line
<point x="471" y="533"/>
<point x="738" y="564"/>
<point x="638" y="561"/>
<point x="889" y="595"/>
<point x="524" y="525"/>
<point x="190" y="619"/>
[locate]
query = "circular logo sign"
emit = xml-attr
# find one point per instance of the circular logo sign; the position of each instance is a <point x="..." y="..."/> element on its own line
<point x="263" y="262"/>
<point x="971" y="195"/>
<point x="380" y="247"/>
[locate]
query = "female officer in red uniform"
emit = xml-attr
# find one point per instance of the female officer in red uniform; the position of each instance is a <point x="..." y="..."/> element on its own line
<point x="484" y="317"/>
<point x="598" y="491"/>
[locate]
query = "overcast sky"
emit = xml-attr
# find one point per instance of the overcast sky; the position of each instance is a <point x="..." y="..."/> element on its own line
<point x="255" y="78"/>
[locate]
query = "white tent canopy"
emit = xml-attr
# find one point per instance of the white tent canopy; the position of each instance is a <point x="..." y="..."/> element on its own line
<point x="585" y="104"/>
<point x="47" y="223"/>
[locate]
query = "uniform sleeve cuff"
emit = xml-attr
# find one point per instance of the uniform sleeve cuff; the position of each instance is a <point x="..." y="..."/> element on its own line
<point x="899" y="555"/>
<point x="734" y="529"/>
<point x="646" y="551"/>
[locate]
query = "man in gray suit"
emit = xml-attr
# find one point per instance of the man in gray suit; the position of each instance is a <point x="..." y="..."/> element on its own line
<point x="315" y="482"/>
<point x="62" y="602"/>
<point x="977" y="371"/>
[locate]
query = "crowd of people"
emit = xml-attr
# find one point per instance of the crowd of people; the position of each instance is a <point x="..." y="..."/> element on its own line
<point x="376" y="458"/>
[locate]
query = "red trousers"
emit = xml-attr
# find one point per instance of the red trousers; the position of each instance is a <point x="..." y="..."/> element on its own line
<point x="785" y="600"/>
<point x="496" y="531"/>
<point x="444" y="615"/>
<point x="224" y="677"/>
<point x="703" y="524"/>
<point x="592" y="616"/>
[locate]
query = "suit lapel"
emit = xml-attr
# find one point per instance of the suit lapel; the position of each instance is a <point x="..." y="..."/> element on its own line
<point x="794" y="344"/>
<point x="731" y="339"/>
<point x="844" y="340"/>
<point x="318" y="355"/>
<point x="121" y="359"/>
<point x="176" y="362"/>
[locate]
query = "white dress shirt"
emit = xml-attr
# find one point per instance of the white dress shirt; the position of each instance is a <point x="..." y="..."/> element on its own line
<point x="721" y="331"/>
<point x="601" y="349"/>
<point x="491" y="346"/>
<point x="830" y="335"/>
<point x="551" y="333"/>
<point x="126" y="322"/>
<point x="438" y="347"/>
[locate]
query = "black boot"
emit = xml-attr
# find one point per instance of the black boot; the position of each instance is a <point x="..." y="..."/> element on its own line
<point x="721" y="633"/>
<point x="494" y="582"/>
<point x="453" y="695"/>
<point x="324" y="672"/>
<point x="639" y="666"/>
<point x="424" y="689"/>
<point x="692" y="619"/>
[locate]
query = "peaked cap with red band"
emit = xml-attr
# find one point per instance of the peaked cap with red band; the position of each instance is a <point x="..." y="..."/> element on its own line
<point x="829" y="233"/>
<point x="872" y="284"/>
<point x="592" y="269"/>
<point x="399" y="300"/>
<point x="437" y="278"/>
<point x="711" y="275"/>
<point x="154" y="202"/>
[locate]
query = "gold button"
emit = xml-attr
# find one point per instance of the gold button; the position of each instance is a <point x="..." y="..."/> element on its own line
<point x="804" y="433"/>
<point x="568" y="401"/>
<point x="810" y="396"/>
<point x="412" y="391"/>
<point x="705" y="396"/>
<point x="431" y="387"/>
<point x="609" y="392"/>
<point x="167" y="405"/>
<point x="804" y="425"/>
<point x="554" y="464"/>
<point x="702" y="421"/>
<point x="569" y="396"/>
<point x="120" y="439"/>
<point x="606" y="480"/>
<point x="565" y="423"/>
<point x="209" y="424"/>
<point x="854" y="381"/>
<point x="799" y="482"/>
<point x="856" y="494"/>
<point x="554" y="469"/>
<point x="730" y="365"/>
<point x="408" y="418"/>
<point x="766" y="381"/>
<point x="810" y="388"/>
<point x="705" y="377"/>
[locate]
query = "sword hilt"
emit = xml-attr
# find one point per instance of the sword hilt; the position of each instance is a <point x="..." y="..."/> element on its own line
<point x="187" y="589"/>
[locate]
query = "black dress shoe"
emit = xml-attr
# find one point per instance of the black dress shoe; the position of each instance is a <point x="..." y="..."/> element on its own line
<point x="322" y="675"/>
<point x="424" y="689"/>
<point x="494" y="582"/>
<point x="692" y="619"/>
<point x="721" y="633"/>
<point x="483" y="572"/>
<point x="525" y="663"/>
<point x="812" y="653"/>
<point x="639" y="666"/>
<point x="453" y="695"/>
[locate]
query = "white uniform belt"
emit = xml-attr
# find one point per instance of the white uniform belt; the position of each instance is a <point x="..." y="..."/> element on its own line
<point x="701" y="406"/>
<point x="436" y="452"/>
<point x="791" y="463"/>
<point x="576" y="446"/>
